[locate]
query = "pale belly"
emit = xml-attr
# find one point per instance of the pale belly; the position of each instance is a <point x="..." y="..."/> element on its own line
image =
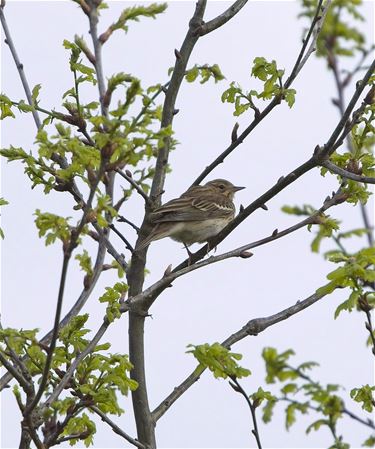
<point x="197" y="231"/>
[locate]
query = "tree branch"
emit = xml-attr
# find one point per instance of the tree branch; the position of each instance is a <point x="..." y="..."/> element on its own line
<point x="124" y="239"/>
<point x="253" y="327"/>
<point x="238" y="388"/>
<point x="77" y="307"/>
<point x="347" y="174"/>
<point x="19" y="65"/>
<point x="70" y="372"/>
<point x="93" y="20"/>
<point x="135" y="185"/>
<point x="116" y="428"/>
<point x="223" y="18"/>
<point x="300" y="61"/>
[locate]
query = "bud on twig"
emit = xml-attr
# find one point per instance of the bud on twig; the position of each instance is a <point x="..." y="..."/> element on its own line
<point x="264" y="207"/>
<point x="168" y="270"/>
<point x="275" y="232"/>
<point x="246" y="254"/>
<point x="370" y="97"/>
<point x="177" y="54"/>
<point x="234" y="132"/>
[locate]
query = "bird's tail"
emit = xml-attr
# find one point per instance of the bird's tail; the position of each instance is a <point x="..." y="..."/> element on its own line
<point x="159" y="232"/>
<point x="143" y="243"/>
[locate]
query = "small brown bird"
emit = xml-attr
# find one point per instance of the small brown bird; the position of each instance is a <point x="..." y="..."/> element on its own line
<point x="199" y="214"/>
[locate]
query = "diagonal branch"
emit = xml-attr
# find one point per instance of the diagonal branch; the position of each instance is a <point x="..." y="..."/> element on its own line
<point x="116" y="428"/>
<point x="134" y="185"/>
<point x="223" y="18"/>
<point x="316" y="24"/>
<point x="19" y="65"/>
<point x="253" y="327"/>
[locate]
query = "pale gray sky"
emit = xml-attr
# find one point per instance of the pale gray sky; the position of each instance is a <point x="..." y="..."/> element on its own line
<point x="212" y="303"/>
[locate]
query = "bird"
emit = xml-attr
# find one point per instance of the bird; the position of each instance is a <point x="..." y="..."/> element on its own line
<point x="196" y="216"/>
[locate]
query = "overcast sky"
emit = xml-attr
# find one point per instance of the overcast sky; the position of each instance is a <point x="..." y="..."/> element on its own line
<point x="209" y="304"/>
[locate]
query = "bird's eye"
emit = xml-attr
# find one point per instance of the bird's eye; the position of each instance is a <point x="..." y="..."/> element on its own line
<point x="221" y="186"/>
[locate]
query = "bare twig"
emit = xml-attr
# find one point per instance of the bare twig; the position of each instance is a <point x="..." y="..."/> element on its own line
<point x="122" y="237"/>
<point x="122" y="219"/>
<point x="238" y="388"/>
<point x="116" y="428"/>
<point x="223" y="18"/>
<point x="19" y="65"/>
<point x="134" y="184"/>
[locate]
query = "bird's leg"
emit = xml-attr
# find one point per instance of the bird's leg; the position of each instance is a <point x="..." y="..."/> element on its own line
<point x="209" y="247"/>
<point x="189" y="253"/>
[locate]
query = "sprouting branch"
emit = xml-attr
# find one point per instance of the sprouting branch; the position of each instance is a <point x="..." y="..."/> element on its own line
<point x="300" y="62"/>
<point x="238" y="388"/>
<point x="19" y="65"/>
<point x="223" y="18"/>
<point x="253" y="327"/>
<point x="347" y="174"/>
<point x="68" y="375"/>
<point x="314" y="30"/>
<point x="93" y="20"/>
<point x="77" y="307"/>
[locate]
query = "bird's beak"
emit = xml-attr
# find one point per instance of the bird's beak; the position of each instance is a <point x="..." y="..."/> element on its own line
<point x="236" y="188"/>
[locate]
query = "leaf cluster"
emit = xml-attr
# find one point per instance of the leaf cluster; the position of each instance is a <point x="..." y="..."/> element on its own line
<point x="271" y="76"/>
<point x="219" y="360"/>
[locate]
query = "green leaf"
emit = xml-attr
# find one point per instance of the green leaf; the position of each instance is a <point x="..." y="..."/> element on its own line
<point x="364" y="395"/>
<point x="6" y="107"/>
<point x="317" y="425"/>
<point x="349" y="304"/>
<point x="35" y="93"/>
<point x="219" y="360"/>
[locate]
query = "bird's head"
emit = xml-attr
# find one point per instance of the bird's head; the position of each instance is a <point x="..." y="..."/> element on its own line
<point x="223" y="187"/>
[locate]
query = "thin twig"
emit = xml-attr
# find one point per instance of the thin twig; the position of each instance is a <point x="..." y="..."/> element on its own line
<point x="135" y="185"/>
<point x="116" y="428"/>
<point x="19" y="65"/>
<point x="122" y="219"/>
<point x="77" y="307"/>
<point x="122" y="237"/>
<point x="238" y="388"/>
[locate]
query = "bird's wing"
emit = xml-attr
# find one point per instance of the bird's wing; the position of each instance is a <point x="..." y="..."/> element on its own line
<point x="194" y="209"/>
